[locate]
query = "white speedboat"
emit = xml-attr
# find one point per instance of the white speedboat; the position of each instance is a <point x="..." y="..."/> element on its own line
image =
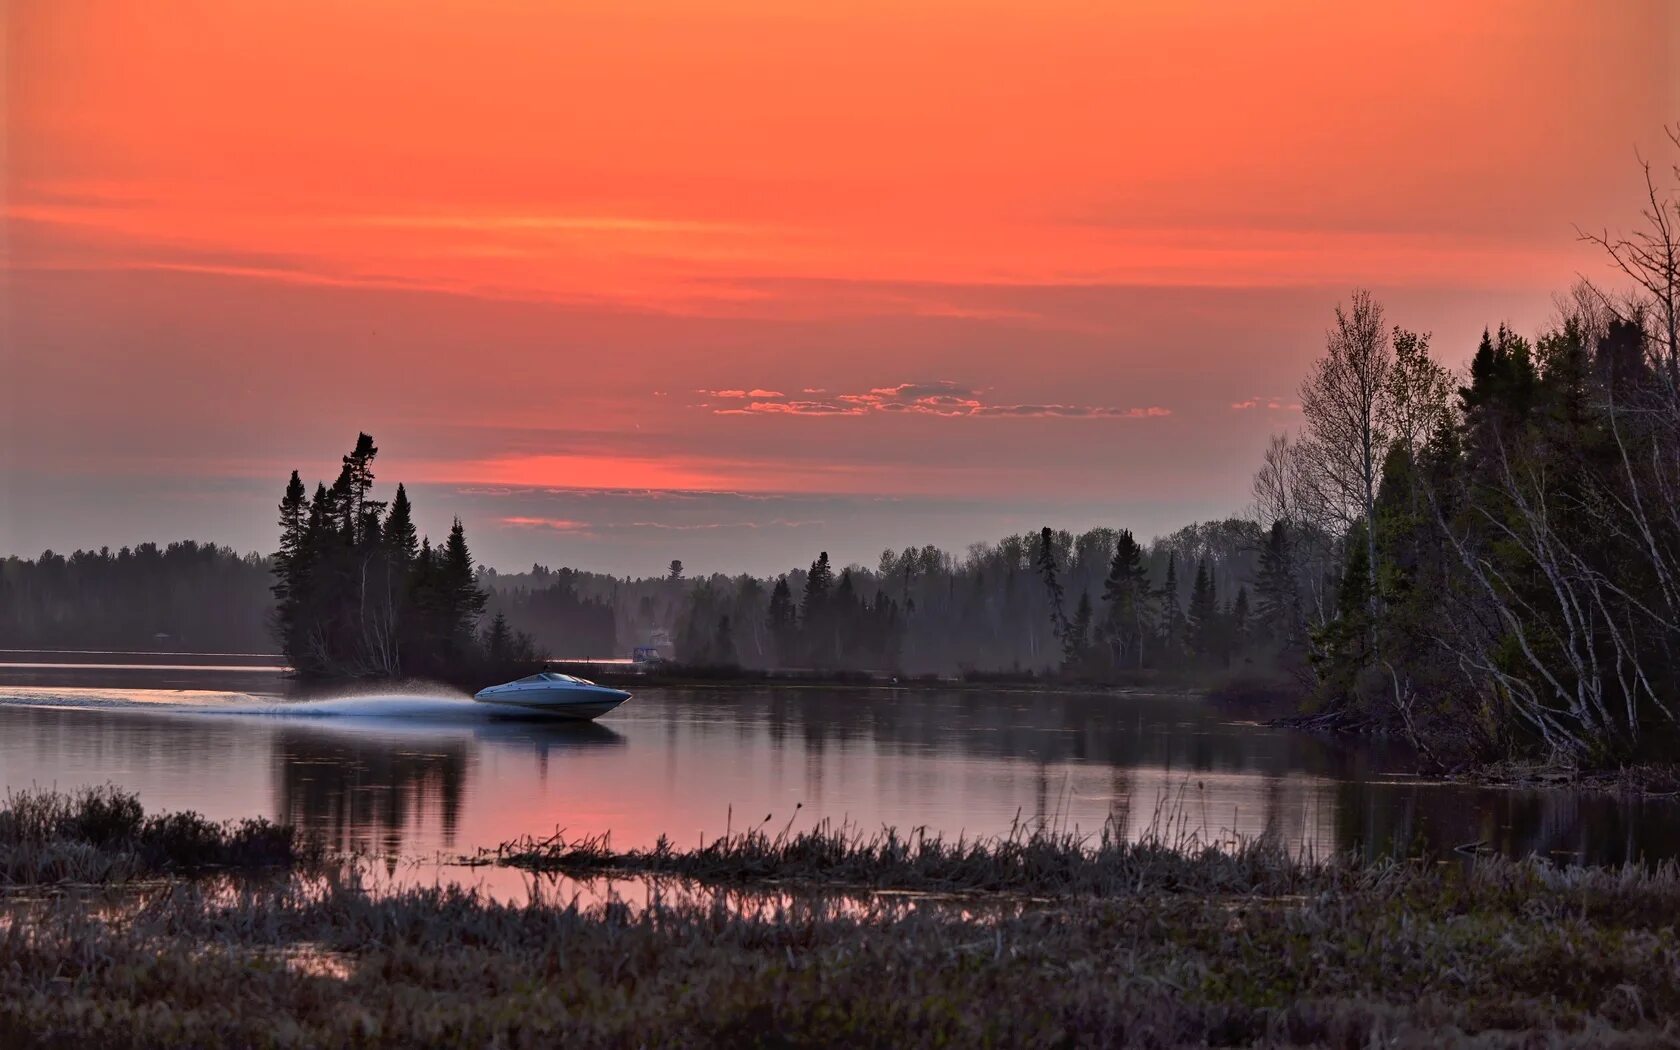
<point x="553" y="695"/>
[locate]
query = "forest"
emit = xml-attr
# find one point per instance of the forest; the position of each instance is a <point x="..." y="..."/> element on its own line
<point x="185" y="597"/>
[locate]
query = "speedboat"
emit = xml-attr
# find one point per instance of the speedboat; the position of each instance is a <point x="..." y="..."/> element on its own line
<point x="553" y="695"/>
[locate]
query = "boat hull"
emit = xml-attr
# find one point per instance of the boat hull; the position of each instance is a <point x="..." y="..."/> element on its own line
<point x="577" y="701"/>
<point x="569" y="710"/>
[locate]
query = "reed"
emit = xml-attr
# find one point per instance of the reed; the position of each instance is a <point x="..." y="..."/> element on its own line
<point x="104" y="835"/>
<point x="1031" y="858"/>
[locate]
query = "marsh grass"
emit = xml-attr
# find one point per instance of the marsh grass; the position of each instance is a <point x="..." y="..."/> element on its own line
<point x="1085" y="941"/>
<point x="104" y="835"/>
<point x="1495" y="954"/>
<point x="1038" y="859"/>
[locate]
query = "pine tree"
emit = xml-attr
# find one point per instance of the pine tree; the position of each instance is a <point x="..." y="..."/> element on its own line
<point x="1053" y="592"/>
<point x="1172" y="614"/>
<point x="1126" y="593"/>
<point x="1279" y="612"/>
<point x="782" y="623"/>
<point x="816" y="626"/>
<point x="1203" y="615"/>
<point x="361" y="515"/>
<point x="401" y="541"/>
<point x="498" y="639"/>
<point x="461" y="600"/>
<point x="1239" y="620"/>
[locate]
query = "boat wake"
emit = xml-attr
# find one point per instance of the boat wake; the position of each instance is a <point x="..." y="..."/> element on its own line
<point x="406" y="707"/>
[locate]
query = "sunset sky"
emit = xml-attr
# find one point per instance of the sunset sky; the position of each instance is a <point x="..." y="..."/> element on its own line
<point x="734" y="282"/>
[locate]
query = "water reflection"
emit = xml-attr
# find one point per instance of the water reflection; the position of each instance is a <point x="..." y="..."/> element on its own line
<point x="363" y="788"/>
<point x="420" y="777"/>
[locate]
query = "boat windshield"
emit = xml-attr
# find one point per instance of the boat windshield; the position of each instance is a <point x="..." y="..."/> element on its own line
<point x="556" y="676"/>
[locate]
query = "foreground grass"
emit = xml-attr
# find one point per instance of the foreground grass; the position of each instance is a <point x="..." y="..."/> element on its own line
<point x="1098" y="943"/>
<point x="103" y="835"/>
<point x="1504" y="955"/>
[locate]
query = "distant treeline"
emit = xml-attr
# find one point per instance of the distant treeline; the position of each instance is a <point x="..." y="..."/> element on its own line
<point x="189" y="597"/>
<point x="1095" y="605"/>
<point x="551" y="607"/>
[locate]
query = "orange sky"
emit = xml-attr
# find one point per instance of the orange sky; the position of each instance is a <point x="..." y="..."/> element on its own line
<point x="989" y="252"/>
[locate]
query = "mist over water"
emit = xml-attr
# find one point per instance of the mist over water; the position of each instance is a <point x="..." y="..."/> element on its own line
<point x="411" y="775"/>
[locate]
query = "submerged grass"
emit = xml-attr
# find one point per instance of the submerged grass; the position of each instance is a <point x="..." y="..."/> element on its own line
<point x="104" y="835"/>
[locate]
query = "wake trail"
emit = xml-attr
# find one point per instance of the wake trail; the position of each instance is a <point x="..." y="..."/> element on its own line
<point x="405" y="707"/>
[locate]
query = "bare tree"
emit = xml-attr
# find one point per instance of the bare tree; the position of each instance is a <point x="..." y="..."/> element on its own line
<point x="1650" y="258"/>
<point x="1345" y="404"/>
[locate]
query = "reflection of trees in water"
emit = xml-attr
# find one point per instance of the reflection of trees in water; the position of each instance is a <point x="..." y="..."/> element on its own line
<point x="1328" y="794"/>
<point x="364" y="793"/>
<point x="1165" y="732"/>
<point x="1383" y="818"/>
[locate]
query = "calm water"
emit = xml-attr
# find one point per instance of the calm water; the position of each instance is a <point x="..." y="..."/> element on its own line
<point x="412" y="778"/>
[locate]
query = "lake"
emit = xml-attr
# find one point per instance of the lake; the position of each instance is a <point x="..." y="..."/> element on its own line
<point x="415" y="777"/>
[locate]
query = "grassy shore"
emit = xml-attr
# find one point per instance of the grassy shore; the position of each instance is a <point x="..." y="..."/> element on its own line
<point x="1057" y="943"/>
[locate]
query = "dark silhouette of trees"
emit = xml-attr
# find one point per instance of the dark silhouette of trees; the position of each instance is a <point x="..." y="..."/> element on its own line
<point x="782" y="623"/>
<point x="356" y="597"/>
<point x="183" y="597"/>
<point x="1126" y="592"/>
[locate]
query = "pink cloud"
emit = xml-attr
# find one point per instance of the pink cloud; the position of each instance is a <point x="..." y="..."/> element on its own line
<point x="557" y="524"/>
<point x="794" y="408"/>
<point x="938" y="398"/>
<point x="743" y="394"/>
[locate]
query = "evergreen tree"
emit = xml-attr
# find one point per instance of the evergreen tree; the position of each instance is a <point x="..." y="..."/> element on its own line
<point x="1344" y="648"/>
<point x="675" y="571"/>
<point x="845" y="615"/>
<point x="290" y="562"/>
<point x="498" y="639"/>
<point x="1279" y="611"/>
<point x="782" y="624"/>
<point x="1126" y="593"/>
<point x="462" y="601"/>
<point x="816" y="625"/>
<point x="1172" y="615"/>
<point x="1053" y="592"/>
<point x="1203" y="615"/>
<point x="400" y="539"/>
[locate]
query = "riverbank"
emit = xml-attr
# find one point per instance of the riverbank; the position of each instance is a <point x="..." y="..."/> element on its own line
<point x="1041" y="940"/>
<point x="689" y="676"/>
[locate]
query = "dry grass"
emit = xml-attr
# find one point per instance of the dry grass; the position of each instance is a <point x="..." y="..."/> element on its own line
<point x="1118" y="945"/>
<point x="1504" y="954"/>
<point x="103" y="835"/>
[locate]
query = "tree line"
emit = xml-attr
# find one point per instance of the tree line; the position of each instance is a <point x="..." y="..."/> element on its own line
<point x="1508" y="539"/>
<point x="184" y="597"/>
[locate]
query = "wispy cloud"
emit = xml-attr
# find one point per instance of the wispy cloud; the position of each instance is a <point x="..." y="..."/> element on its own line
<point x="937" y="398"/>
<point x="556" y="524"/>
<point x="1270" y="404"/>
<point x="584" y="528"/>
<point x="741" y="394"/>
